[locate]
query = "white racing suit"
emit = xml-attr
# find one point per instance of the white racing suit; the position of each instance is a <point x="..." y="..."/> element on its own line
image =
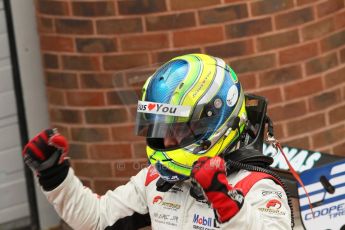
<point x="265" y="204"/>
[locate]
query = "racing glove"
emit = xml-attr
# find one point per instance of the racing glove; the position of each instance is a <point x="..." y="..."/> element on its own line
<point x="210" y="175"/>
<point x="46" y="155"/>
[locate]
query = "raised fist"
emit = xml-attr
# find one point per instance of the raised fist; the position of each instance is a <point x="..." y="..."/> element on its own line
<point x="47" y="149"/>
<point x="210" y="175"/>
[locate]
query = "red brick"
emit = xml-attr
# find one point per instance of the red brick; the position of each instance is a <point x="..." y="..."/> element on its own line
<point x="56" y="43"/>
<point x="128" y="169"/>
<point x="278" y="130"/>
<point x="329" y="136"/>
<point x="280" y="76"/>
<point x="74" y="26"/>
<point x="303" y="2"/>
<point x="270" y="6"/>
<point x="51" y="61"/>
<point x="93" y="169"/>
<point x="339" y="20"/>
<point x="119" y="26"/>
<point x="125" y="133"/>
<point x="277" y="40"/>
<point x="137" y="78"/>
<point x="80" y="98"/>
<point x="45" y="25"/>
<point x="339" y="149"/>
<point x="139" y="150"/>
<point x="183" y="5"/>
<point x="106" y="116"/>
<point x="61" y="80"/>
<point x="122" y="97"/>
<point x="77" y="151"/>
<point x="86" y="183"/>
<point x="170" y="21"/>
<point x="86" y="63"/>
<point x="90" y="134"/>
<point x="254" y="63"/>
<point x="306" y="124"/>
<point x="55" y="97"/>
<point x="164" y="56"/>
<point x="335" y="78"/>
<point x="118" y="80"/>
<point x="273" y="95"/>
<point x="318" y="29"/>
<point x="145" y="42"/>
<point x="294" y="18"/>
<point x="231" y="49"/>
<point x="336" y="115"/>
<point x="63" y="130"/>
<point x="96" y="45"/>
<point x="329" y="7"/>
<point x="334" y="41"/>
<point x="249" y="28"/>
<point x="103" y="185"/>
<point x="298" y="53"/>
<point x="305" y="88"/>
<point x="325" y="150"/>
<point x="133" y="113"/>
<point x="52" y="7"/>
<point x="321" y="64"/>
<point x="342" y="55"/>
<point x="248" y="81"/>
<point x="288" y="111"/>
<point x="234" y="1"/>
<point x="100" y="81"/>
<point x="110" y="151"/>
<point x="125" y="61"/>
<point x="325" y="100"/>
<point x="70" y="116"/>
<point x="300" y="142"/>
<point x="90" y="9"/>
<point x="223" y="14"/>
<point x="198" y="36"/>
<point x="140" y="7"/>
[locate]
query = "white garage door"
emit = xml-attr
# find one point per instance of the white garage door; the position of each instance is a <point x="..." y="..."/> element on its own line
<point x="13" y="199"/>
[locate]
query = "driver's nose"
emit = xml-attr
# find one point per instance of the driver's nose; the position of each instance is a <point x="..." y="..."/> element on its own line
<point x="170" y="141"/>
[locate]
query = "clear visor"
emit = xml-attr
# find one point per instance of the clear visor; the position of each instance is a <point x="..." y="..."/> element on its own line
<point x="177" y="127"/>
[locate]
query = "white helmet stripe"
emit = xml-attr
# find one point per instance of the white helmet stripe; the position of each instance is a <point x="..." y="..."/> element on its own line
<point x="216" y="84"/>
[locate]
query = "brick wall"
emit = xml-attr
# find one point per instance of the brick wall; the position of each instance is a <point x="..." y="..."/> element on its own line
<point x="291" y="51"/>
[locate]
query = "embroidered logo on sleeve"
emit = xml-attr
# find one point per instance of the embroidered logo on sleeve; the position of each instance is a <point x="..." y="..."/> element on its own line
<point x="273" y="207"/>
<point x="276" y="193"/>
<point x="274" y="204"/>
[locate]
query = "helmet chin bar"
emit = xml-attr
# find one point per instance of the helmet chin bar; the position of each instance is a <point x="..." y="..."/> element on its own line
<point x="251" y="141"/>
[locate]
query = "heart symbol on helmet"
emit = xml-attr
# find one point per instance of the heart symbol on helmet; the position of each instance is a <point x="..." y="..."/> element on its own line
<point x="151" y="106"/>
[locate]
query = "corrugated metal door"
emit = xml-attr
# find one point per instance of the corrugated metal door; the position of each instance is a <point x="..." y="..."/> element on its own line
<point x="13" y="198"/>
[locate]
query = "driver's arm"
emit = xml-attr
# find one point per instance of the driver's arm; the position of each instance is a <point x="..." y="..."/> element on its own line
<point x="83" y="209"/>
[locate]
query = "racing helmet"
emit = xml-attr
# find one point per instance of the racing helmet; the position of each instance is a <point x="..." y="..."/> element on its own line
<point x="192" y="106"/>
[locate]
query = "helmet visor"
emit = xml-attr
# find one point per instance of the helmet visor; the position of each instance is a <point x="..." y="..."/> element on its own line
<point x="158" y="120"/>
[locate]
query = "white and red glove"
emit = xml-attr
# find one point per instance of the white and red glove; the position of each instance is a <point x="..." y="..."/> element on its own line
<point x="210" y="175"/>
<point x="45" y="154"/>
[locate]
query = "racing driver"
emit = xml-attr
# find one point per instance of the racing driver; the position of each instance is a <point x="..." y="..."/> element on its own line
<point x="201" y="173"/>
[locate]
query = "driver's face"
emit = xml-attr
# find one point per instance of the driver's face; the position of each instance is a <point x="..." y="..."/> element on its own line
<point x="176" y="135"/>
<point x="170" y="142"/>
